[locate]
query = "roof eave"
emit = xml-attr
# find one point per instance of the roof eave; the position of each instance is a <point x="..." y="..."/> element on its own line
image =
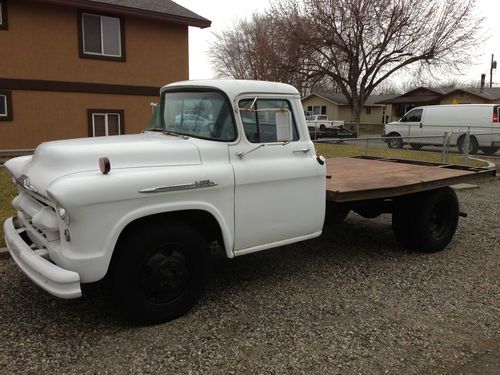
<point x="201" y="23"/>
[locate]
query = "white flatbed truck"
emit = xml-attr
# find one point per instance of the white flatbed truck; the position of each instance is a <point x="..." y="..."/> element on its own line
<point x="226" y="161"/>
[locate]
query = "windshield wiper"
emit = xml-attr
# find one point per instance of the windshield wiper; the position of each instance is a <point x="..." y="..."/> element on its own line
<point x="167" y="132"/>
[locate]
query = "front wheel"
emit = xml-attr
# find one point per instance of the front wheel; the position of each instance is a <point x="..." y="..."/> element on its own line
<point x="160" y="272"/>
<point x="394" y="141"/>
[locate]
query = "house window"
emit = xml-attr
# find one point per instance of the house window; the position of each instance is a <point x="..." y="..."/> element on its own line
<point x="5" y="106"/>
<point x="3" y="15"/>
<point x="368" y="110"/>
<point x="316" y="109"/>
<point x="105" y="122"/>
<point x="101" y="36"/>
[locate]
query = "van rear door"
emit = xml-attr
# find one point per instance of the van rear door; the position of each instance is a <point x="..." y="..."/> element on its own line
<point x="495" y="129"/>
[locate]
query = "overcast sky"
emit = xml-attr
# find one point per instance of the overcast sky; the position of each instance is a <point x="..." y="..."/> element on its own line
<point x="223" y="13"/>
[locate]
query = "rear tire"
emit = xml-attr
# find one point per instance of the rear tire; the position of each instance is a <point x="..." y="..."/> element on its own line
<point x="426" y="222"/>
<point x="489" y="150"/>
<point x="160" y="272"/>
<point x="473" y="145"/>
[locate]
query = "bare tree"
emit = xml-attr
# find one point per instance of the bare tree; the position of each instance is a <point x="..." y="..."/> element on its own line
<point x="257" y="48"/>
<point x="361" y="43"/>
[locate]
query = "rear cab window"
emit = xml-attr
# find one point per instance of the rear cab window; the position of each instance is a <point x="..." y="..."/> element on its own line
<point x="260" y="125"/>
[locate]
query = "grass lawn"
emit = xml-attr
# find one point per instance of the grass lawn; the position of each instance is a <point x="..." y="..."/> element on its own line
<point x="344" y="150"/>
<point x="7" y="193"/>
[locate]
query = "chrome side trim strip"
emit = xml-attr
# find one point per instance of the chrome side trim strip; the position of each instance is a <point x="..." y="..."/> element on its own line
<point x="193" y="185"/>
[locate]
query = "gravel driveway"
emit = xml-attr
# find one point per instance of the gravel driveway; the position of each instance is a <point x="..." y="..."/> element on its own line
<point x="351" y="301"/>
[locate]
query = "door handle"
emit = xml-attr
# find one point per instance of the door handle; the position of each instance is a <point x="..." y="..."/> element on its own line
<point x="420" y="125"/>
<point x="304" y="150"/>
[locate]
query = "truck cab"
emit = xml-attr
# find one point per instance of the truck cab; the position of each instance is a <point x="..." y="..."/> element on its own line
<point x="227" y="161"/>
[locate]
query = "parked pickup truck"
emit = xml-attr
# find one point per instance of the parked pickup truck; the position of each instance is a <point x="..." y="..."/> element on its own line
<point x="321" y="122"/>
<point x="225" y="161"/>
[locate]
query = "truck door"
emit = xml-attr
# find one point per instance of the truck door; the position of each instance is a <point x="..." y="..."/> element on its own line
<point x="411" y="123"/>
<point x="279" y="187"/>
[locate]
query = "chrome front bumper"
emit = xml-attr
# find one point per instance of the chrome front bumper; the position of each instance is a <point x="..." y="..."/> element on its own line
<point x="50" y="277"/>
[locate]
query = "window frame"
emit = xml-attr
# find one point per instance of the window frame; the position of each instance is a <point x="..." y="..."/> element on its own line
<point x="266" y="98"/>
<point x="90" y="118"/>
<point x="96" y="56"/>
<point x="8" y="105"/>
<point x="368" y="111"/>
<point x="4" y="24"/>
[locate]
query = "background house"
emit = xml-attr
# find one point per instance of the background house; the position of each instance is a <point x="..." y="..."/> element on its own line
<point x="81" y="68"/>
<point x="439" y="96"/>
<point x="336" y="107"/>
<point x="380" y="109"/>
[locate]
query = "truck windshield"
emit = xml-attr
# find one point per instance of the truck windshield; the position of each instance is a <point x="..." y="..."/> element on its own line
<point x="204" y="115"/>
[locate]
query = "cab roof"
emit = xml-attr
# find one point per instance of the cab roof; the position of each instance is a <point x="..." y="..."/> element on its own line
<point x="234" y="88"/>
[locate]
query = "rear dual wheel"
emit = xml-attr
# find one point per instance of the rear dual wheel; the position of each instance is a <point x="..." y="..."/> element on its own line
<point x="473" y="145"/>
<point x="426" y="221"/>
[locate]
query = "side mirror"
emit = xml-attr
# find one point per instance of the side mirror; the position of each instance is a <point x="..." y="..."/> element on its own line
<point x="284" y="126"/>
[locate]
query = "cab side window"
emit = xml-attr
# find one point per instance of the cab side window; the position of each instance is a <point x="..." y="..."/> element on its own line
<point x="415" y="115"/>
<point x="260" y="123"/>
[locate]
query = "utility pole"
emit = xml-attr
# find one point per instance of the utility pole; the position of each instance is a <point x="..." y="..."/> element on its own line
<point x="493" y="66"/>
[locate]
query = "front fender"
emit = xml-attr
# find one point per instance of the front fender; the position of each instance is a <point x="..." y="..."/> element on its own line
<point x="100" y="207"/>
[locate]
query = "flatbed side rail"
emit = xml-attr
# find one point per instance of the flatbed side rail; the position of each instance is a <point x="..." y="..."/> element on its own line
<point x="430" y="163"/>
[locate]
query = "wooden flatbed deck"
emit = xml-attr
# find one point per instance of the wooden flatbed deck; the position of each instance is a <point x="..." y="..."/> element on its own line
<point x="355" y="179"/>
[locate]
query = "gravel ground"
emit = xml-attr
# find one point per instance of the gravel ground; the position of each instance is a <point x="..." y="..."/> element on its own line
<point x="349" y="302"/>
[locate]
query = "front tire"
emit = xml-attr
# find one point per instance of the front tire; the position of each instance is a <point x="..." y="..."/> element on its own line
<point x="394" y="141"/>
<point x="160" y="272"/>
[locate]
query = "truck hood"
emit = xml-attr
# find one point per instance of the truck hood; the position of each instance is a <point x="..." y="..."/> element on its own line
<point x="53" y="160"/>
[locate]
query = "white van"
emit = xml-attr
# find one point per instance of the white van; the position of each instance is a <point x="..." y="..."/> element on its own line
<point x="482" y="120"/>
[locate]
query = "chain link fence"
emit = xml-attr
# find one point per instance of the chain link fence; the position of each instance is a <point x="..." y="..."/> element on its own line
<point x="448" y="148"/>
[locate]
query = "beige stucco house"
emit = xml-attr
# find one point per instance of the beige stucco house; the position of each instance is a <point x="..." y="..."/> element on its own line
<point x="336" y="107"/>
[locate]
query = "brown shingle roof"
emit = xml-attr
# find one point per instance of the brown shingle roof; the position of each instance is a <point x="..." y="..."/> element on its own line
<point x="162" y="9"/>
<point x="340" y="99"/>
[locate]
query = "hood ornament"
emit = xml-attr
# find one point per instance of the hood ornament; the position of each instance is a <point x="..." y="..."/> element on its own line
<point x="24" y="182"/>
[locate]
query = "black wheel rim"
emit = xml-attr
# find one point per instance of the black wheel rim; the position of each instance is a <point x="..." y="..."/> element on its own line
<point x="439" y="221"/>
<point x="164" y="274"/>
